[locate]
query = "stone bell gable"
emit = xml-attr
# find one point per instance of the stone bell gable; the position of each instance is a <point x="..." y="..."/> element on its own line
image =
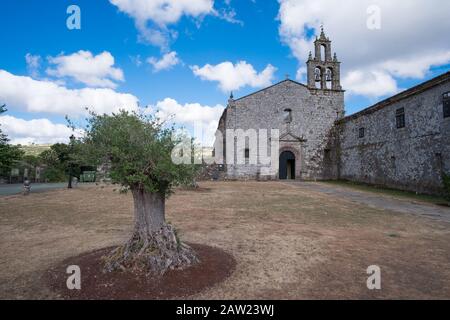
<point x="323" y="69"/>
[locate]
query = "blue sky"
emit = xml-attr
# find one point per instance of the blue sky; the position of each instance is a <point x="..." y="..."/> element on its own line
<point x="204" y="41"/>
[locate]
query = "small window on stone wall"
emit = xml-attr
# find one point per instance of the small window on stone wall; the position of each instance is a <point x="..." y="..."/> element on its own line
<point x="400" y="118"/>
<point x="287" y="115"/>
<point x="327" y="155"/>
<point x="362" y="132"/>
<point x="446" y="104"/>
<point x="247" y="153"/>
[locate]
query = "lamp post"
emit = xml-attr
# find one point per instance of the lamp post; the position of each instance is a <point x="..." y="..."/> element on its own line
<point x="72" y="141"/>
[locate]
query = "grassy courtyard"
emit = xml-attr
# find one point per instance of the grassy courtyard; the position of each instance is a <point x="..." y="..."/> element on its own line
<point x="289" y="242"/>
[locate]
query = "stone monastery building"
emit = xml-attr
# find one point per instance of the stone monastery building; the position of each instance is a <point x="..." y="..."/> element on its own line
<point x="402" y="142"/>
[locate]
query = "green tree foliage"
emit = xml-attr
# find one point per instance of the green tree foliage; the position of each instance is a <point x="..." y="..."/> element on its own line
<point x="29" y="163"/>
<point x="54" y="170"/>
<point x="31" y="160"/>
<point x="139" y="149"/>
<point x="9" y="155"/>
<point x="60" y="161"/>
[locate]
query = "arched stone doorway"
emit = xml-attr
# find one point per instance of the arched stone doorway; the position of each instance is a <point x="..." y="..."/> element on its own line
<point x="287" y="166"/>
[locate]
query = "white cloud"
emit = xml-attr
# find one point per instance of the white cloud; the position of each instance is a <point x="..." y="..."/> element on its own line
<point x="38" y="131"/>
<point x="168" y="61"/>
<point x="415" y="67"/>
<point x="84" y="67"/>
<point x="160" y="14"/>
<point x="370" y="83"/>
<point x="189" y="115"/>
<point x="136" y="60"/>
<point x="164" y="12"/>
<point x="233" y="77"/>
<point x="45" y="96"/>
<point x="229" y="15"/>
<point x="407" y="45"/>
<point x="33" y="64"/>
<point x="301" y="74"/>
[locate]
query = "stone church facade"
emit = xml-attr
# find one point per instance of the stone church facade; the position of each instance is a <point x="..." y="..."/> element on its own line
<point x="401" y="142"/>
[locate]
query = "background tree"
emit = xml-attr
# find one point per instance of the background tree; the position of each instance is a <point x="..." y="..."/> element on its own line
<point x="9" y="155"/>
<point x="62" y="161"/>
<point x="139" y="151"/>
<point x="29" y="163"/>
<point x="31" y="160"/>
<point x="54" y="171"/>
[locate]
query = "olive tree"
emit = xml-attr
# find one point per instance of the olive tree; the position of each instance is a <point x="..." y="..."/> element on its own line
<point x="139" y="152"/>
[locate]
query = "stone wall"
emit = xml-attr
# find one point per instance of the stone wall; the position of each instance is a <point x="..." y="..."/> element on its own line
<point x="412" y="158"/>
<point x="314" y="113"/>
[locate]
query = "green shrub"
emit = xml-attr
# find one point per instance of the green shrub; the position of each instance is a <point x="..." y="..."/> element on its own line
<point x="53" y="174"/>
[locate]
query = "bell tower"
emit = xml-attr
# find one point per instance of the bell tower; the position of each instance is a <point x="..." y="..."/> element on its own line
<point x="324" y="70"/>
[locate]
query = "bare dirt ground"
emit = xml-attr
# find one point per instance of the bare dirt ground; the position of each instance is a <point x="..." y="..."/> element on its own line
<point x="214" y="267"/>
<point x="288" y="242"/>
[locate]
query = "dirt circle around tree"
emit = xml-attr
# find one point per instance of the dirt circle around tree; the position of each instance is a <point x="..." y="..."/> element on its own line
<point x="215" y="266"/>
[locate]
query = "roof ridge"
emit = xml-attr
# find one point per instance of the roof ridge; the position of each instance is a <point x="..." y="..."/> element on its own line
<point x="271" y="86"/>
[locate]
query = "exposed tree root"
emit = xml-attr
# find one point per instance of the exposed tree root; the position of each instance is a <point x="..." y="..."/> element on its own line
<point x="155" y="253"/>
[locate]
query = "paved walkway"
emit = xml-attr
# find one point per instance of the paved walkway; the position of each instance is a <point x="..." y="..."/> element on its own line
<point x="380" y="201"/>
<point x="11" y="189"/>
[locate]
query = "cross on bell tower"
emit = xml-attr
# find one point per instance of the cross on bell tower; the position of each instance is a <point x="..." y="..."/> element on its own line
<point x="324" y="70"/>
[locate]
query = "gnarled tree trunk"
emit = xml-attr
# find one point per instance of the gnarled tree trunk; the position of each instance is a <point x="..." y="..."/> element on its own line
<point x="149" y="212"/>
<point x="154" y="246"/>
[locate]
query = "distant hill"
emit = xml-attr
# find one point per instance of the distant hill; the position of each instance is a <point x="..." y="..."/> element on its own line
<point x="35" y="149"/>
